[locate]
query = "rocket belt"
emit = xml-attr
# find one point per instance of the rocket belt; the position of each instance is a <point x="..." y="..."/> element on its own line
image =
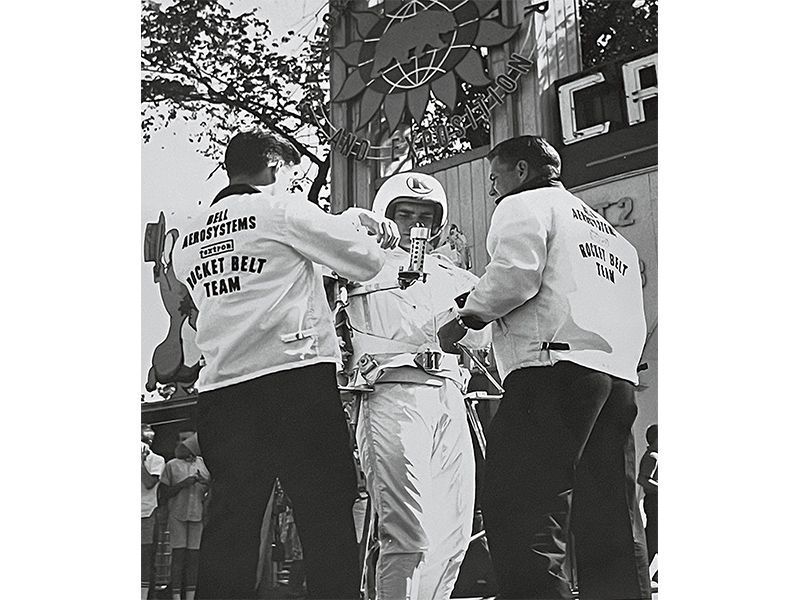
<point x="370" y="367"/>
<point x="379" y="354"/>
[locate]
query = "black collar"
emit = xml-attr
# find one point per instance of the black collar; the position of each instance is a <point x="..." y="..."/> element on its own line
<point x="235" y="189"/>
<point x="531" y="184"/>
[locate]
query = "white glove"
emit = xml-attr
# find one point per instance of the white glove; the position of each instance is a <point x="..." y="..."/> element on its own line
<point x="385" y="229"/>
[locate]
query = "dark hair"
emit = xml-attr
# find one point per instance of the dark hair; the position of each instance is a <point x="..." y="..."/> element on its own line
<point x="249" y="152"/>
<point x="536" y="151"/>
<point x="651" y="434"/>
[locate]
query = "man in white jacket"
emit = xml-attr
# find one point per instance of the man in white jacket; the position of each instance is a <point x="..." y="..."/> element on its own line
<point x="413" y="436"/>
<point x="269" y="403"/>
<point x="563" y="294"/>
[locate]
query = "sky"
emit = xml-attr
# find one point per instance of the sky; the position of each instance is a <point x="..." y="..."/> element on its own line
<point x="175" y="177"/>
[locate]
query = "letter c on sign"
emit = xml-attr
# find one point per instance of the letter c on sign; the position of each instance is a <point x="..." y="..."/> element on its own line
<point x="566" y="108"/>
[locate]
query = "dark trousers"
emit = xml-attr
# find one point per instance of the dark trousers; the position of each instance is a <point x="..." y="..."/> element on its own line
<point x="289" y="425"/>
<point x="560" y="450"/>
<point x="651" y="512"/>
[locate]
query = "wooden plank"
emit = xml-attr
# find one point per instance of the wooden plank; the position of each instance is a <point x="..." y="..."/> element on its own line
<point x="441" y="177"/>
<point x="559" y="39"/>
<point x="456" y="160"/>
<point x="454" y="196"/>
<point x="479" y="257"/>
<point x="362" y="184"/>
<point x="573" y="39"/>
<point x="551" y="60"/>
<point x="339" y="170"/>
<point x="465" y="201"/>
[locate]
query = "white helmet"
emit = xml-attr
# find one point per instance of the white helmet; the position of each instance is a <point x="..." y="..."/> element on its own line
<point x="415" y="187"/>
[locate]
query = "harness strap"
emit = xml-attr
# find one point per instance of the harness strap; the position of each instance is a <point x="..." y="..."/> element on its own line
<point x="361" y="289"/>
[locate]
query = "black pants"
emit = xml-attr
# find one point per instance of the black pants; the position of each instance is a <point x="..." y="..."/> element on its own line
<point x="651" y="512"/>
<point x="560" y="448"/>
<point x="288" y="425"/>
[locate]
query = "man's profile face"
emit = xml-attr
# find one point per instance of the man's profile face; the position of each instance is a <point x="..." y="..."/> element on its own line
<point x="408" y="213"/>
<point x="504" y="177"/>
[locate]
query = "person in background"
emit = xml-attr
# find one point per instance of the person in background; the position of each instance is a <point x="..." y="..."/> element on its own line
<point x="152" y="466"/>
<point x="268" y="402"/>
<point x="648" y="479"/>
<point x="185" y="480"/>
<point x="455" y="248"/>
<point x="563" y="293"/>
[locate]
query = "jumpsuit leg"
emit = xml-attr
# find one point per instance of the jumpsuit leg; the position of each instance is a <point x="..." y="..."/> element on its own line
<point x="235" y="428"/>
<point x="533" y="444"/>
<point x="395" y="440"/>
<point x="317" y="469"/>
<point x="611" y="552"/>
<point x="453" y="486"/>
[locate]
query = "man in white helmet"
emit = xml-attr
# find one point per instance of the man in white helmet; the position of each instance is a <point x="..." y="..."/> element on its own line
<point x="413" y="436"/>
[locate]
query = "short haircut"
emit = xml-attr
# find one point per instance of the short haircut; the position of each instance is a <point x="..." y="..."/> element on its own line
<point x="536" y="151"/>
<point x="651" y="434"/>
<point x="249" y="152"/>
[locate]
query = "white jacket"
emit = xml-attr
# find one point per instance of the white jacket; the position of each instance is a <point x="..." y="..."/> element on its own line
<point x="248" y="261"/>
<point x="394" y="324"/>
<point x="560" y="273"/>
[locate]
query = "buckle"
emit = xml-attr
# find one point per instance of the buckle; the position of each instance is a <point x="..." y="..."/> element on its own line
<point x="366" y="364"/>
<point x="429" y="360"/>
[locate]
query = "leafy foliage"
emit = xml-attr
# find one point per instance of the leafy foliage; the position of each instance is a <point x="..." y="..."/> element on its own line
<point x="224" y="72"/>
<point x="611" y="29"/>
<point x="438" y="114"/>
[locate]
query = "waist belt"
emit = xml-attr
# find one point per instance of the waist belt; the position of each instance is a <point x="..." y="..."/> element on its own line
<point x="370" y="367"/>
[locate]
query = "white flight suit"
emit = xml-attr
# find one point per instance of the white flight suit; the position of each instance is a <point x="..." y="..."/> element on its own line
<point x="413" y="436"/>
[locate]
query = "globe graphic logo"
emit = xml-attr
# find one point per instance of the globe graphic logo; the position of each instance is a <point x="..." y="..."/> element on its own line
<point x="424" y="47"/>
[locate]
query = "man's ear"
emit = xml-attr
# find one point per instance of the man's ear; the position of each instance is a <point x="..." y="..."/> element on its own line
<point x="523" y="170"/>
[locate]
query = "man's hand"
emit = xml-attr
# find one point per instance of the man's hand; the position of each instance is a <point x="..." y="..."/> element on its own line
<point x="385" y="229"/>
<point x="145" y="452"/>
<point x="449" y="334"/>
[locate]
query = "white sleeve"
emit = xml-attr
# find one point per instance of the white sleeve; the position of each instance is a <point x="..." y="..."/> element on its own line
<point x="475" y="338"/>
<point x="517" y="243"/>
<point x="336" y="241"/>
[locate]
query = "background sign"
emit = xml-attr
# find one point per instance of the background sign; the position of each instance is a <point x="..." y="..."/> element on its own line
<point x="608" y="119"/>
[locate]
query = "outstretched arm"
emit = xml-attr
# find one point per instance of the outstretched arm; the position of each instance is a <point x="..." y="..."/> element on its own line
<point x="349" y="243"/>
